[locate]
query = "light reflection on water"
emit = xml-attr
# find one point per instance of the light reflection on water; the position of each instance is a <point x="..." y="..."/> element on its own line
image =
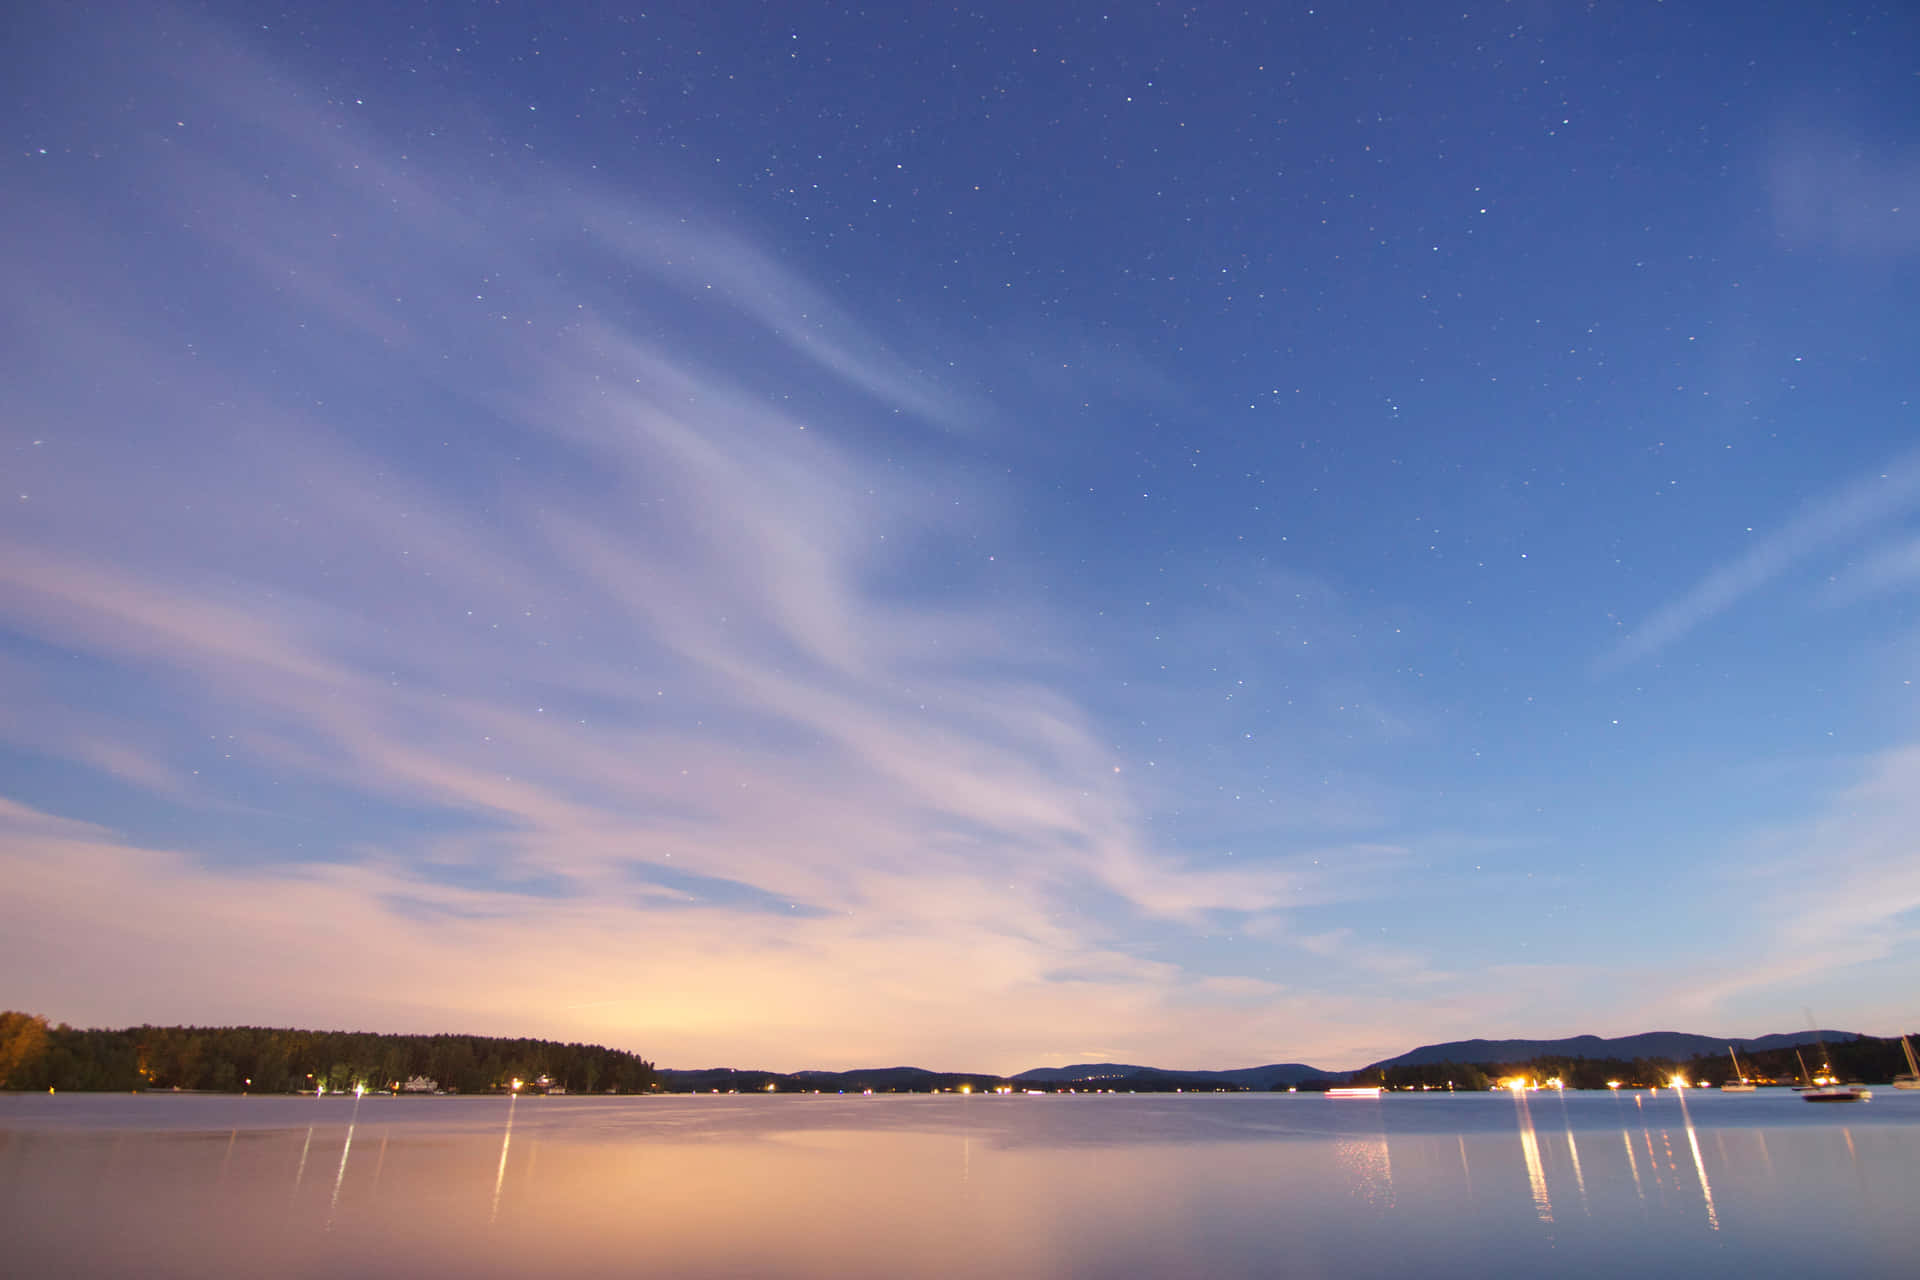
<point x="1699" y="1165"/>
<point x="500" y="1175"/>
<point x="1573" y="1151"/>
<point x="1368" y="1164"/>
<point x="1530" y="1151"/>
<point x="962" y="1186"/>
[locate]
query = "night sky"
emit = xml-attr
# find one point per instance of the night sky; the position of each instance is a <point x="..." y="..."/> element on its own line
<point x="791" y="535"/>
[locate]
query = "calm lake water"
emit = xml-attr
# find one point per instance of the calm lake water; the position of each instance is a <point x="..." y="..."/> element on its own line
<point x="1085" y="1186"/>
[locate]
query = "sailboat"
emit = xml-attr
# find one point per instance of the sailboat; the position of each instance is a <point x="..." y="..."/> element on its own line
<point x="1739" y="1083"/>
<point x="1832" y="1090"/>
<point x="1911" y="1080"/>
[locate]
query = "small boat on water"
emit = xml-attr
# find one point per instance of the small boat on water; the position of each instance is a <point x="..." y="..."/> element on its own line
<point x="1739" y="1083"/>
<point x="1823" y="1087"/>
<point x="1911" y="1080"/>
<point x="1355" y="1091"/>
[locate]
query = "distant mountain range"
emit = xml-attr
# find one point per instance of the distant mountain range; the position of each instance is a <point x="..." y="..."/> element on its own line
<point x="1094" y="1075"/>
<point x="878" y="1079"/>
<point x="1110" y="1075"/>
<point x="1675" y="1046"/>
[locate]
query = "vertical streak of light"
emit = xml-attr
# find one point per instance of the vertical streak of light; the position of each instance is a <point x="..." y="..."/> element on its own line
<point x="301" y="1171"/>
<point x="1699" y="1165"/>
<point x="1634" y="1166"/>
<point x="1853" y="1157"/>
<point x="227" y="1158"/>
<point x="1766" y="1157"/>
<point x="1573" y="1149"/>
<point x="340" y="1175"/>
<point x="500" y="1175"/>
<point x="1464" y="1168"/>
<point x="1386" y="1164"/>
<point x="1579" y="1179"/>
<point x="1530" y="1150"/>
<point x="381" y="1163"/>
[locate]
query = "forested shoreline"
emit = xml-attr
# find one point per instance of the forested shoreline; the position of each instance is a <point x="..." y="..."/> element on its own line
<point x="1864" y="1058"/>
<point x="35" y="1054"/>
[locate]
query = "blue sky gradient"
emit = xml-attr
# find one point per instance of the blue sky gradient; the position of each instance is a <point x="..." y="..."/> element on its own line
<point x="796" y="538"/>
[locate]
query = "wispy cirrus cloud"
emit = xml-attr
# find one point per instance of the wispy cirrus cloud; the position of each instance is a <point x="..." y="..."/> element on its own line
<point x="568" y="652"/>
<point x="1823" y="524"/>
<point x="1891" y="566"/>
<point x="1824" y="905"/>
<point x="1836" y="187"/>
<point x="371" y="943"/>
<point x="709" y="264"/>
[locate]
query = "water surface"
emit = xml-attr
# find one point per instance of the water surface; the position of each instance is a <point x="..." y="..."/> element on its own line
<point x="1061" y="1185"/>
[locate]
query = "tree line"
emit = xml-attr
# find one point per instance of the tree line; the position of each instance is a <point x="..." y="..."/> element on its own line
<point x="1868" y="1058"/>
<point x="37" y="1055"/>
